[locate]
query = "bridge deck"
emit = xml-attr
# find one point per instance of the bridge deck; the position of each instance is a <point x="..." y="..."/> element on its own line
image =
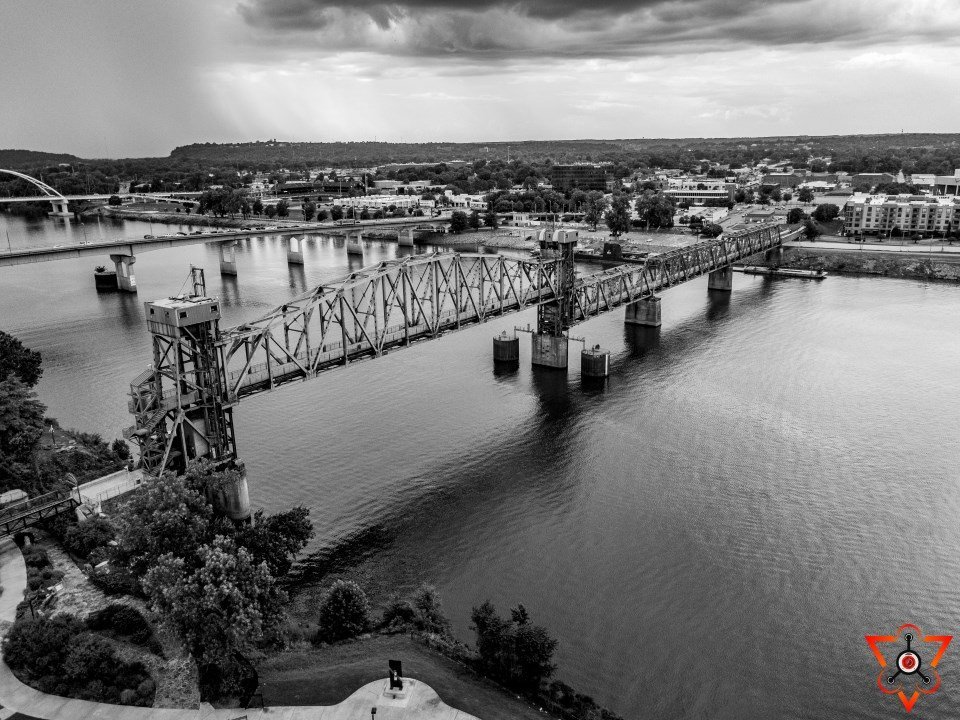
<point x="22" y="515"/>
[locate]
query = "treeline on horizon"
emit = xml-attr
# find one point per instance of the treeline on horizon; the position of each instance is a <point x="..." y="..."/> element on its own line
<point x="196" y="166"/>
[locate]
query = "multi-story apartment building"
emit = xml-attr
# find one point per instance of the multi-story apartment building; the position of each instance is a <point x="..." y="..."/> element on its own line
<point x="884" y="215"/>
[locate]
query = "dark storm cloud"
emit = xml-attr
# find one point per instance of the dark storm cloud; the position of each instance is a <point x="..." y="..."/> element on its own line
<point x="495" y="30"/>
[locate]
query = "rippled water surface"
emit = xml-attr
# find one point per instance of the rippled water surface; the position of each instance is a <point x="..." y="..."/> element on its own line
<point x="761" y="483"/>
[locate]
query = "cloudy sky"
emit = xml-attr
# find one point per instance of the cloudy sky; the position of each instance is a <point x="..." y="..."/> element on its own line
<point x="112" y="78"/>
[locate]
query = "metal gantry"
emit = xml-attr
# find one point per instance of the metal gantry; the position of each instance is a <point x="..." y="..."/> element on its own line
<point x="183" y="405"/>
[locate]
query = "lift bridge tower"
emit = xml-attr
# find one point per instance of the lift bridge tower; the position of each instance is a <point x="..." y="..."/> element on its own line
<point x="179" y="403"/>
<point x="554" y="318"/>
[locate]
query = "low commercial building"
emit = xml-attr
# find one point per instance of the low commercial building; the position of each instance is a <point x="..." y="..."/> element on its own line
<point x="378" y="202"/>
<point x="885" y="215"/>
<point x="695" y="191"/>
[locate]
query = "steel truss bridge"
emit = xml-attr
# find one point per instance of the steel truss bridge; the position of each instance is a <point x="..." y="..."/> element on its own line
<point x="183" y="405"/>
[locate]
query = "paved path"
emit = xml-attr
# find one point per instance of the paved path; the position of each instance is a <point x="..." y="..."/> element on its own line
<point x="420" y="701"/>
<point x="109" y="486"/>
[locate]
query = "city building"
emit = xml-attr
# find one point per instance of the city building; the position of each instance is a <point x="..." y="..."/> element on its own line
<point x="697" y="191"/>
<point x="947" y="184"/>
<point x="581" y="177"/>
<point x="380" y="202"/>
<point x="885" y="215"/>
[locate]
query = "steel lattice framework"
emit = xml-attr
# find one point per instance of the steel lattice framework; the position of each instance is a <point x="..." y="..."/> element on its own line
<point x="183" y="405"/>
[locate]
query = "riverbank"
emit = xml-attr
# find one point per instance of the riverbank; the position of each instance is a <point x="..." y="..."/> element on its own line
<point x="868" y="262"/>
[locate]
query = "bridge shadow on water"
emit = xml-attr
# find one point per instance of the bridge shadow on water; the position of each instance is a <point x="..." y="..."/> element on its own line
<point x="524" y="464"/>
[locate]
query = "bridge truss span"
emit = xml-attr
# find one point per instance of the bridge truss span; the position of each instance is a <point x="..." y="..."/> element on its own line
<point x="391" y="304"/>
<point x="596" y="294"/>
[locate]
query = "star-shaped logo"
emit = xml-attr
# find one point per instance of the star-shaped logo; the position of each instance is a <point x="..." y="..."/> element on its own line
<point x="908" y="670"/>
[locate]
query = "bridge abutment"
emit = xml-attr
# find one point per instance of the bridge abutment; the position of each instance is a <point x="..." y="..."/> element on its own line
<point x="295" y="250"/>
<point x="355" y="243"/>
<point x="228" y="258"/>
<point x="405" y="239"/>
<point x="774" y="256"/>
<point x="549" y="350"/>
<point x="721" y="279"/>
<point x="644" y="312"/>
<point x="126" y="280"/>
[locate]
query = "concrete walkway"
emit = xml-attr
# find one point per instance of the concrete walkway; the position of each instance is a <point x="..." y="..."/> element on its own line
<point x="420" y="702"/>
<point x="110" y="486"/>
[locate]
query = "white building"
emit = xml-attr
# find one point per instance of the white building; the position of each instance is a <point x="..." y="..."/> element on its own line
<point x="378" y="202"/>
<point x="696" y="191"/>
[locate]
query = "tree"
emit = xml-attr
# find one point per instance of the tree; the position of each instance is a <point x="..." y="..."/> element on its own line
<point x="656" y="209"/>
<point x="364" y="214"/>
<point x="711" y="230"/>
<point x="515" y="651"/>
<point x="805" y="195"/>
<point x="17" y="360"/>
<point x="825" y="212"/>
<point x="283" y="208"/>
<point x="490" y="219"/>
<point x="114" y="201"/>
<point x="309" y="210"/>
<point x="428" y="615"/>
<point x="473" y="220"/>
<point x="83" y="538"/>
<point x="271" y="211"/>
<point x="618" y="216"/>
<point x="344" y="611"/>
<point x="277" y="539"/>
<point x="795" y="215"/>
<point x="811" y="229"/>
<point x="221" y="602"/>
<point x="166" y="516"/>
<point x="594" y="208"/>
<point x="257" y="207"/>
<point x="321" y="214"/>
<point x="336" y="212"/>
<point x="458" y="221"/>
<point x="21" y="420"/>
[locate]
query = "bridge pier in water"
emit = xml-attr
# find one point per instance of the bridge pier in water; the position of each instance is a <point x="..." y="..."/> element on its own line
<point x="721" y="279"/>
<point x="228" y="258"/>
<point x="405" y="238"/>
<point x="61" y="208"/>
<point x="355" y="243"/>
<point x="295" y="250"/>
<point x="644" y="312"/>
<point x="126" y="280"/>
<point x="549" y="350"/>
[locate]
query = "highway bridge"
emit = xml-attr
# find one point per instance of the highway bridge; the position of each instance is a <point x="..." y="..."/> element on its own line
<point x="123" y="252"/>
<point x="183" y="404"/>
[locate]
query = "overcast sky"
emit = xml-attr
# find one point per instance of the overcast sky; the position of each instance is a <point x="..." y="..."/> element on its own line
<point x="114" y="78"/>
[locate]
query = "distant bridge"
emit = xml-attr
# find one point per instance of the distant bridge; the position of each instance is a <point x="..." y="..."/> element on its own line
<point x="183" y="405"/>
<point x="61" y="203"/>
<point x="123" y="252"/>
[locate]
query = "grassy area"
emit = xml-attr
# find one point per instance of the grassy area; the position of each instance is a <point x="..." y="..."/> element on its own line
<point x="328" y="675"/>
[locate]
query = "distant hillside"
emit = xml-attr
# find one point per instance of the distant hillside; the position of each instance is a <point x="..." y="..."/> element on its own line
<point x="665" y="152"/>
<point x="15" y="159"/>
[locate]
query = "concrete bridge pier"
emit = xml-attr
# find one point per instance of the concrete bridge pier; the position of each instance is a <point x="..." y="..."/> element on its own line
<point x="774" y="256"/>
<point x="228" y="258"/>
<point x="549" y="350"/>
<point x="355" y="243"/>
<point x="405" y="238"/>
<point x="644" y="312"/>
<point x="61" y="208"/>
<point x="295" y="250"/>
<point x="721" y="279"/>
<point x="126" y="280"/>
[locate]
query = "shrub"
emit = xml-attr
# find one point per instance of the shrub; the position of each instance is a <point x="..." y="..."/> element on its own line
<point x="514" y="651"/>
<point x="119" y="581"/>
<point x="398" y="613"/>
<point x="83" y="538"/>
<point x="35" y="557"/>
<point x="60" y="657"/>
<point x="344" y="612"/>
<point x="126" y="622"/>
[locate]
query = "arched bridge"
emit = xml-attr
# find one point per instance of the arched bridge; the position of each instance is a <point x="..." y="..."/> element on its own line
<point x="183" y="405"/>
<point x="60" y="204"/>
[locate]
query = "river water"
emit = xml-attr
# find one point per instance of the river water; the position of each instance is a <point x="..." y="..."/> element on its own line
<point x="759" y="485"/>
